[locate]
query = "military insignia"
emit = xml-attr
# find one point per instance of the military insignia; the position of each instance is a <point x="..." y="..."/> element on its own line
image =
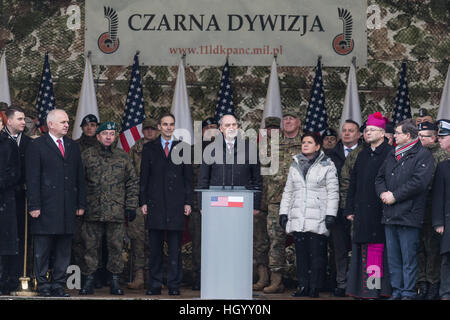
<point x="343" y="43"/>
<point x="108" y="42"/>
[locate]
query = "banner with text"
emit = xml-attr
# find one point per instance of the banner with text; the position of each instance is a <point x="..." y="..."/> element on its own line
<point x="249" y="32"/>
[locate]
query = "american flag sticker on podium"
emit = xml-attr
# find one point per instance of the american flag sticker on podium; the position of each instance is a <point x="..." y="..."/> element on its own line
<point x="235" y="202"/>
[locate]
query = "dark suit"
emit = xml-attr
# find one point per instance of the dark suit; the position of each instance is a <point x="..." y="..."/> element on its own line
<point x="239" y="173"/>
<point x="16" y="261"/>
<point x="165" y="188"/>
<point x="56" y="187"/>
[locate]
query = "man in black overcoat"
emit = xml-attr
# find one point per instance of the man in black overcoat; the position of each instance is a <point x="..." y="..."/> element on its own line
<point x="18" y="142"/>
<point x="166" y="198"/>
<point x="56" y="195"/>
<point x="441" y="208"/>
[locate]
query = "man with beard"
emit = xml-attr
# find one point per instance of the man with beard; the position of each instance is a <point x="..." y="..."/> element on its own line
<point x="364" y="209"/>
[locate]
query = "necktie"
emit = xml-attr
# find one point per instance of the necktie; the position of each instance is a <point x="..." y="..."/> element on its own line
<point x="166" y="149"/>
<point x="60" y="146"/>
<point x="348" y="150"/>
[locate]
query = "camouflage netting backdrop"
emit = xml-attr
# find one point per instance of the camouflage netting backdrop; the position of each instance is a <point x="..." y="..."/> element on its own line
<point x="416" y="31"/>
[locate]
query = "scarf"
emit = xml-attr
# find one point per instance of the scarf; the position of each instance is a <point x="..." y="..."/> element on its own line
<point x="401" y="150"/>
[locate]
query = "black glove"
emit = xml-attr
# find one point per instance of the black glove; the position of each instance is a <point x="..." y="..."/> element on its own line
<point x="130" y="215"/>
<point x="283" y="221"/>
<point x="329" y="221"/>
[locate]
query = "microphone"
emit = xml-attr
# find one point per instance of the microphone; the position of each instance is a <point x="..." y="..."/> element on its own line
<point x="223" y="169"/>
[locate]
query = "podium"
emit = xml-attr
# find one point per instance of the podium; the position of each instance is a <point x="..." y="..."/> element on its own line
<point x="227" y="243"/>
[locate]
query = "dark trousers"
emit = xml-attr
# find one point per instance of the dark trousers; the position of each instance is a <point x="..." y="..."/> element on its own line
<point x="195" y="229"/>
<point x="175" y="266"/>
<point x="401" y="244"/>
<point x="444" y="290"/>
<point x="43" y="246"/>
<point x="311" y="258"/>
<point x="341" y="243"/>
<point x="428" y="256"/>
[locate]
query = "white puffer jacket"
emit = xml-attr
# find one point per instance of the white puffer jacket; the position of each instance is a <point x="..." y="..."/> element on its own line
<point x="306" y="202"/>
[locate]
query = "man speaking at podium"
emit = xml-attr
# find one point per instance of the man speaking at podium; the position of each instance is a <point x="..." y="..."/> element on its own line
<point x="236" y="169"/>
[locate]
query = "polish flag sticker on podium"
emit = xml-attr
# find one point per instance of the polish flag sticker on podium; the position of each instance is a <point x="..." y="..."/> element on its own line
<point x="236" y="202"/>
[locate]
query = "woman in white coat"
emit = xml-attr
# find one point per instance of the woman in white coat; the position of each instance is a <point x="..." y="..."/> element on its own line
<point x="307" y="211"/>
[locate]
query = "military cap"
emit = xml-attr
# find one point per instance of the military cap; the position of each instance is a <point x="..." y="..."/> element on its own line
<point x="108" y="125"/>
<point x="329" y="132"/>
<point x="444" y="127"/>
<point x="272" y="122"/>
<point x="89" y="118"/>
<point x="423" y="112"/>
<point x="209" y="121"/>
<point x="150" y="123"/>
<point x="427" y="126"/>
<point x="294" y="112"/>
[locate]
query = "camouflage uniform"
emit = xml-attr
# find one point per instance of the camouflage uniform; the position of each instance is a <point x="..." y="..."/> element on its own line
<point x="78" y="249"/>
<point x="288" y="148"/>
<point x="346" y="172"/>
<point x="112" y="188"/>
<point x="428" y="255"/>
<point x="136" y="228"/>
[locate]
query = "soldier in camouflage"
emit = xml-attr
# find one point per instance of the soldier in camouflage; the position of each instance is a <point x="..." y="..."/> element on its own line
<point x="112" y="198"/>
<point x="136" y="229"/>
<point x="428" y="256"/>
<point x="88" y="125"/>
<point x="195" y="221"/>
<point x="260" y="235"/>
<point x="290" y="145"/>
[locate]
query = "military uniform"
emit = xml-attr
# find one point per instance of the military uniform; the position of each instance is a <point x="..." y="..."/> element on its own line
<point x="428" y="255"/>
<point x="136" y="228"/>
<point x="78" y="250"/>
<point x="112" y="187"/>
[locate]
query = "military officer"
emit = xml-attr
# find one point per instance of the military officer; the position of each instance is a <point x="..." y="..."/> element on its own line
<point x="428" y="256"/>
<point x="89" y="125"/>
<point x="112" y="186"/>
<point x="290" y="145"/>
<point x="423" y="116"/>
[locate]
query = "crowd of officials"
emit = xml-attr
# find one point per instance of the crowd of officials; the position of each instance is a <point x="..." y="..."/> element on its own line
<point x="368" y="209"/>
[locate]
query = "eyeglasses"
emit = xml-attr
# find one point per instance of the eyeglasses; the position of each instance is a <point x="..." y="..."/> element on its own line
<point x="398" y="133"/>
<point x="425" y="136"/>
<point x="372" y="129"/>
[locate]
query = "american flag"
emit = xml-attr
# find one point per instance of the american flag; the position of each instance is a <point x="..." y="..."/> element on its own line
<point x="46" y="99"/>
<point x="225" y="103"/>
<point x="402" y="108"/>
<point x="316" y="117"/>
<point x="134" y="113"/>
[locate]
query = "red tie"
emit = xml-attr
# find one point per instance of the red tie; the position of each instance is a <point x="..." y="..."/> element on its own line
<point x="61" y="148"/>
<point x="166" y="149"/>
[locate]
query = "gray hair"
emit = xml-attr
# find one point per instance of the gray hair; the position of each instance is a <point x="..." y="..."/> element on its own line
<point x="408" y="126"/>
<point x="51" y="116"/>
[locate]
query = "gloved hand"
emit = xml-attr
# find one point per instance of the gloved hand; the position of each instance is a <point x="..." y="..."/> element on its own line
<point x="130" y="215"/>
<point x="283" y="221"/>
<point x="329" y="221"/>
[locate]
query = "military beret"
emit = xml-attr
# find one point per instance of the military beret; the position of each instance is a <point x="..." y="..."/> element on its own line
<point x="150" y="123"/>
<point x="209" y="121"/>
<point x="329" y="132"/>
<point x="444" y="127"/>
<point x="108" y="125"/>
<point x="89" y="118"/>
<point x="272" y="122"/>
<point x="427" y="126"/>
<point x="423" y="112"/>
